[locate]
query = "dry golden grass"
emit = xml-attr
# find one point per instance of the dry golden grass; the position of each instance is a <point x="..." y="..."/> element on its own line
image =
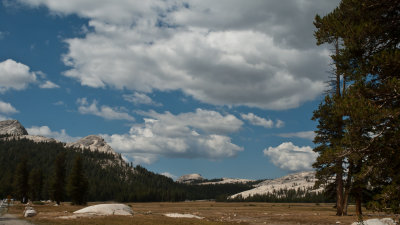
<point x="214" y="214"/>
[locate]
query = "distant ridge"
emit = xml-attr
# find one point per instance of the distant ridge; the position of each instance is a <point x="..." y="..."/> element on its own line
<point x="302" y="180"/>
<point x="91" y="142"/>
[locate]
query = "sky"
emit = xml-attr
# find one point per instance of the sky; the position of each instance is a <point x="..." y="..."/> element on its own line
<point x="222" y="88"/>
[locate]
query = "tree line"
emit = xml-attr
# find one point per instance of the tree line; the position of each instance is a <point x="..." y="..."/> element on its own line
<point x="42" y="171"/>
<point x="358" y="130"/>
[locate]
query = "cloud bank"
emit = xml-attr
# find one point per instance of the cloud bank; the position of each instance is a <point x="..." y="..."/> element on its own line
<point x="103" y="111"/>
<point x="199" y="134"/>
<point x="227" y="52"/>
<point x="47" y="132"/>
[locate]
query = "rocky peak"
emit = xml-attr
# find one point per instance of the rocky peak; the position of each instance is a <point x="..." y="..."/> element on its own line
<point x="190" y="178"/>
<point x="94" y="143"/>
<point x="12" y="127"/>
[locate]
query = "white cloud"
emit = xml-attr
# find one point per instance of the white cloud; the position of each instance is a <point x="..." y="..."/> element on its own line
<point x="15" y="75"/>
<point x="227" y="52"/>
<point x="202" y="134"/>
<point x="303" y="134"/>
<point x="256" y="120"/>
<point x="103" y="111"/>
<point x="47" y="132"/>
<point x="290" y="157"/>
<point x="48" y="85"/>
<point x="279" y="124"/>
<point x="7" y="108"/>
<point x="140" y="98"/>
<point x="167" y="174"/>
<point x="2" y="117"/>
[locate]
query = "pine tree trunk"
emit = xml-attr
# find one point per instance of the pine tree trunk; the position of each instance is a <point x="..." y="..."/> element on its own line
<point x="339" y="189"/>
<point x="347" y="188"/>
<point x="358" y="204"/>
<point x="346" y="198"/>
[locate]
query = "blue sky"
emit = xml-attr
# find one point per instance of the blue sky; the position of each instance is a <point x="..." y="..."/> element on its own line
<point x="221" y="88"/>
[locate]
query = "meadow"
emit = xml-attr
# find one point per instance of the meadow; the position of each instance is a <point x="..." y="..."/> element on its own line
<point x="214" y="213"/>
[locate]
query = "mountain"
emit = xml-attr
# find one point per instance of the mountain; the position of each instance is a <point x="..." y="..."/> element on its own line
<point x="12" y="127"/>
<point x="303" y="181"/>
<point x="94" y="143"/>
<point x="190" y="178"/>
<point x="91" y="142"/>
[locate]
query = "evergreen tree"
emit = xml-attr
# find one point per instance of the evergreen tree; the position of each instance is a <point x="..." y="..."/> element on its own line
<point x="35" y="184"/>
<point x="21" y="181"/>
<point x="77" y="183"/>
<point x="58" y="183"/>
<point x="370" y="58"/>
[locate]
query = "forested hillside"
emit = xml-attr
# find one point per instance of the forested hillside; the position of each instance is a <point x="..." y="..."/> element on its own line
<point x="108" y="178"/>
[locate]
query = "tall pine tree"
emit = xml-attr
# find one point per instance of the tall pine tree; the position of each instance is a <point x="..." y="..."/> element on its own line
<point x="77" y="183"/>
<point x="21" y="181"/>
<point x="370" y="58"/>
<point x="58" y="181"/>
<point x="35" y="184"/>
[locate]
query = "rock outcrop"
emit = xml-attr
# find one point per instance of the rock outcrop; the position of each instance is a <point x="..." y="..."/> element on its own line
<point x="94" y="143"/>
<point x="301" y="180"/>
<point x="12" y="127"/>
<point x="190" y="178"/>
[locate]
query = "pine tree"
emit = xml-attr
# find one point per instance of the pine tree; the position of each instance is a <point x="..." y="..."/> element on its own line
<point x="58" y="182"/>
<point x="21" y="181"/>
<point x="77" y="183"/>
<point x="370" y="58"/>
<point x="35" y="184"/>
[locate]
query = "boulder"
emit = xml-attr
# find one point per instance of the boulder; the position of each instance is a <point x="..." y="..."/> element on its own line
<point x="29" y="212"/>
<point x="107" y="209"/>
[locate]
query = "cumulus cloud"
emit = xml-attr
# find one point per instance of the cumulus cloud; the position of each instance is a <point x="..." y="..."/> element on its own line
<point x="7" y="108"/>
<point x="48" y="85"/>
<point x="227" y="52"/>
<point x="257" y="121"/>
<point x="103" y="111"/>
<point x="200" y="134"/>
<point x="303" y="134"/>
<point x="47" y="132"/>
<point x="15" y="75"/>
<point x="140" y="98"/>
<point x="290" y="157"/>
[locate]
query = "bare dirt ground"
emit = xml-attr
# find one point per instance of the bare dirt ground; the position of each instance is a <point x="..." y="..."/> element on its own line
<point x="214" y="214"/>
<point x="8" y="219"/>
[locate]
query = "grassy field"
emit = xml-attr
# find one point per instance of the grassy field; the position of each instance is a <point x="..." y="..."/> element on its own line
<point x="213" y="213"/>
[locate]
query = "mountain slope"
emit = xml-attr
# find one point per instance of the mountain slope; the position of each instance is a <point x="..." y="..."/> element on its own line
<point x="298" y="181"/>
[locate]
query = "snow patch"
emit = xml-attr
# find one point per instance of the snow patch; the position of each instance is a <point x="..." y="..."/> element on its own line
<point x="107" y="209"/>
<point x="384" y="221"/>
<point x="179" y="215"/>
